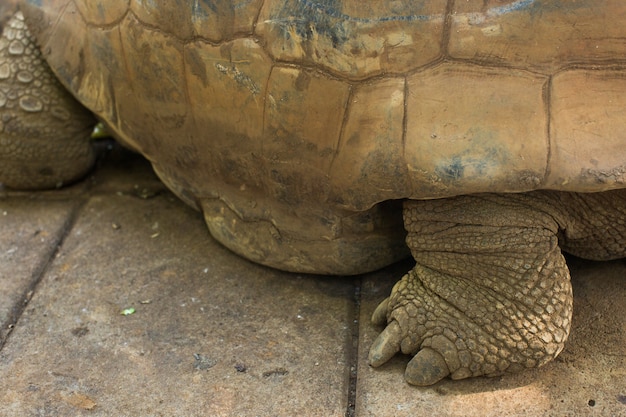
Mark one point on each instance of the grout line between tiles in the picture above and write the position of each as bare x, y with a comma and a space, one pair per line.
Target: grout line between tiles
354, 350
38, 274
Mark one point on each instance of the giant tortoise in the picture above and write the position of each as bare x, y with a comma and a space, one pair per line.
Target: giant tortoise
308, 131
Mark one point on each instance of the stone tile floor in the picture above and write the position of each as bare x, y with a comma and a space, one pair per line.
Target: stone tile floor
215, 335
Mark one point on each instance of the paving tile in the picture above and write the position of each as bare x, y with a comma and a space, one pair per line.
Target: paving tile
30, 230
212, 334
588, 378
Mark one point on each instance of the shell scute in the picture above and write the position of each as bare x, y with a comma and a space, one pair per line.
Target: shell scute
353, 102
352, 38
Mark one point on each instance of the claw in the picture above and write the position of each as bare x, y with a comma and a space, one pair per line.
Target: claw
426, 368
386, 344
379, 316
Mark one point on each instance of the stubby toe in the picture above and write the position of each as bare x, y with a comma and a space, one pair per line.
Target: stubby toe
386, 345
426, 368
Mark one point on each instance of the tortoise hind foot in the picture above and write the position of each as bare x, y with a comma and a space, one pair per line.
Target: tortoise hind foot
490, 292
44, 131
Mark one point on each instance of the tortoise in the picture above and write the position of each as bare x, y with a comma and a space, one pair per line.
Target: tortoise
336, 137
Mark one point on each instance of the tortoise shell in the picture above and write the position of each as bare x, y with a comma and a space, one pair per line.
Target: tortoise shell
306, 120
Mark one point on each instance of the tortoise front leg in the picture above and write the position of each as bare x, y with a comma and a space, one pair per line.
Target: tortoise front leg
490, 292
44, 131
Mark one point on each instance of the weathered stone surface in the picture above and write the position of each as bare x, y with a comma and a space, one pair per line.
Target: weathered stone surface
30, 230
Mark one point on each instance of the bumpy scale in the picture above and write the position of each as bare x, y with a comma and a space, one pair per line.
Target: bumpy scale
44, 131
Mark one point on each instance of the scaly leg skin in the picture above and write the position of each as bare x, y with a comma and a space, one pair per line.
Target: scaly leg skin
44, 131
490, 292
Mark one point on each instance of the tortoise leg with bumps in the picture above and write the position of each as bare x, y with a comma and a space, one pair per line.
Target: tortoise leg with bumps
490, 292
44, 131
